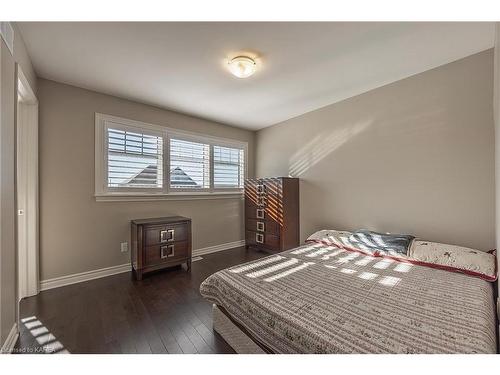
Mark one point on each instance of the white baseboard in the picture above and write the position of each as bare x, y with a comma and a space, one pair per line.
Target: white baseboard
9, 343
83, 276
58, 282
216, 248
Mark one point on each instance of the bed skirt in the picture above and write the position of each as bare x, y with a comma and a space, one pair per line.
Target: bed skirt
233, 335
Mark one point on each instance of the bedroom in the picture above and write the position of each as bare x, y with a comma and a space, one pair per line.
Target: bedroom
248, 187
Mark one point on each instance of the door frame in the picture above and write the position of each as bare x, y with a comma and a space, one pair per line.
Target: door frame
27, 209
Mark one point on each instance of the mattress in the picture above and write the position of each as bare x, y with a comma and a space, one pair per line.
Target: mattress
323, 299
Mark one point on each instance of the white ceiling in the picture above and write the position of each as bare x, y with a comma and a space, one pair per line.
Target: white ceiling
302, 66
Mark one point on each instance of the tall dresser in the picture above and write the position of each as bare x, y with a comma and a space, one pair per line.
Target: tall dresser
272, 213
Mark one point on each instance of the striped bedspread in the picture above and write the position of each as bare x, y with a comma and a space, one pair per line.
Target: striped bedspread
322, 299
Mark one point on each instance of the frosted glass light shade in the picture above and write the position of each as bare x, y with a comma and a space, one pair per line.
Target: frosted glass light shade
242, 66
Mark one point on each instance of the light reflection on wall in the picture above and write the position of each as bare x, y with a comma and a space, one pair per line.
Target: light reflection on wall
321, 146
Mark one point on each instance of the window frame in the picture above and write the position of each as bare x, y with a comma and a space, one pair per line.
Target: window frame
105, 193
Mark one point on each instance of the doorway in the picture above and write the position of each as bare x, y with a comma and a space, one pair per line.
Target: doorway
27, 187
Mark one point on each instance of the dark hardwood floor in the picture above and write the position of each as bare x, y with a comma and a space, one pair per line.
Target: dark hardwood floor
163, 313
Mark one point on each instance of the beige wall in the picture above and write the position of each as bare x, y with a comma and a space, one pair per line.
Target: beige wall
7, 209
496, 107
414, 156
8, 95
77, 233
22, 58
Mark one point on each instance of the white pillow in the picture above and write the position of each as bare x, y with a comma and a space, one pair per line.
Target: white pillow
339, 238
455, 258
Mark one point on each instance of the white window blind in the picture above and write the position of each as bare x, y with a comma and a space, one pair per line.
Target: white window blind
189, 164
135, 159
229, 164
138, 159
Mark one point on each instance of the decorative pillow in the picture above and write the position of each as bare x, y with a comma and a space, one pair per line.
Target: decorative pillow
455, 258
365, 242
387, 243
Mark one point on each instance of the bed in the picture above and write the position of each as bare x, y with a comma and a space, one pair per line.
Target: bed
323, 298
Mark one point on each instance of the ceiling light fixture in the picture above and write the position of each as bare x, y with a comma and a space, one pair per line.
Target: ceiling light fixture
242, 66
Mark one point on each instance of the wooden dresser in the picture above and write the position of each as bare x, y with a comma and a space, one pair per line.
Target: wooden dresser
160, 243
272, 213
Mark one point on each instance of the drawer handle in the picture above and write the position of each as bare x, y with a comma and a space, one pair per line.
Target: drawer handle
167, 235
167, 251
260, 226
260, 213
259, 238
261, 189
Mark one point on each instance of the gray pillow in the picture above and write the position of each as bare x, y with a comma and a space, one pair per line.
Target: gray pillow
396, 243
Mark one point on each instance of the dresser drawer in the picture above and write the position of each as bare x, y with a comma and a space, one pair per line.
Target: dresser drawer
259, 200
251, 210
273, 210
267, 226
272, 186
165, 253
263, 239
257, 187
155, 235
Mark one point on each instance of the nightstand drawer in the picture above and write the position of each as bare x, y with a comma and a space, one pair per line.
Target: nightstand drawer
165, 253
165, 234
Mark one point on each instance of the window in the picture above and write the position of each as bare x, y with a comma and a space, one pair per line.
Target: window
138, 159
189, 164
134, 159
228, 167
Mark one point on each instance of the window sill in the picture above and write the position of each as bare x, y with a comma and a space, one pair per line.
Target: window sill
178, 196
